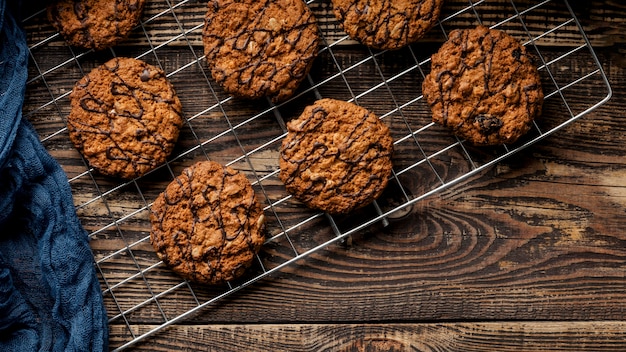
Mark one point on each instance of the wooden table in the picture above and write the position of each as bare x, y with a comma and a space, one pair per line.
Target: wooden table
529, 254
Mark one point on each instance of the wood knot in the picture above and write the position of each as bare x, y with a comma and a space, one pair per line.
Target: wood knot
375, 345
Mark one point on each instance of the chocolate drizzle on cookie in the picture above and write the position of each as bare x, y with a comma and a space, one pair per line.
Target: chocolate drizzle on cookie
95, 24
483, 86
260, 48
387, 24
123, 124
336, 156
207, 225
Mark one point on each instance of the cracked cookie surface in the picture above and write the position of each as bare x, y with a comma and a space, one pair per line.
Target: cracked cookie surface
387, 24
336, 156
207, 225
260, 48
483, 86
95, 24
125, 117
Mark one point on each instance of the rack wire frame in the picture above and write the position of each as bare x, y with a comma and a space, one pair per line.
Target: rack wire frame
130, 227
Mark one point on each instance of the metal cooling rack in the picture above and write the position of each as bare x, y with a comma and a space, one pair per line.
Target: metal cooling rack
247, 136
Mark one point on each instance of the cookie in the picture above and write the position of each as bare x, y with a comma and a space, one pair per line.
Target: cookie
336, 156
483, 86
95, 24
125, 117
387, 24
261, 48
207, 225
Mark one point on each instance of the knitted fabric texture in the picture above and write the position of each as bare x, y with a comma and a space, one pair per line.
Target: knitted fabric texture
50, 298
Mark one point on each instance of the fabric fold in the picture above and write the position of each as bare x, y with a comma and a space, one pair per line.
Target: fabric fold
50, 297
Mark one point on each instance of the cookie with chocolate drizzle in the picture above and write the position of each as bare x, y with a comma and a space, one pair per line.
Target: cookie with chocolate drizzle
336, 156
95, 24
483, 86
387, 24
207, 225
125, 117
259, 48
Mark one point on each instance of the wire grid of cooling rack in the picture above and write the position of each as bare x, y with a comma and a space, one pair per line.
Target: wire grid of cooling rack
247, 135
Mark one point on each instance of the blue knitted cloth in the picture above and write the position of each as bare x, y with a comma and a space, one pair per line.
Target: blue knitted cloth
50, 299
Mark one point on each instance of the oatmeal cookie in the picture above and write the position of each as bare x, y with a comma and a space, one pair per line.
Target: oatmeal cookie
483, 86
387, 24
258, 48
207, 225
336, 156
125, 117
95, 24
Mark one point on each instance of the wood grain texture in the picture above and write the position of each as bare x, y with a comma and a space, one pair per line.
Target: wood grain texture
467, 337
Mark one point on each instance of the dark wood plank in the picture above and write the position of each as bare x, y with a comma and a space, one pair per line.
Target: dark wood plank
467, 337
